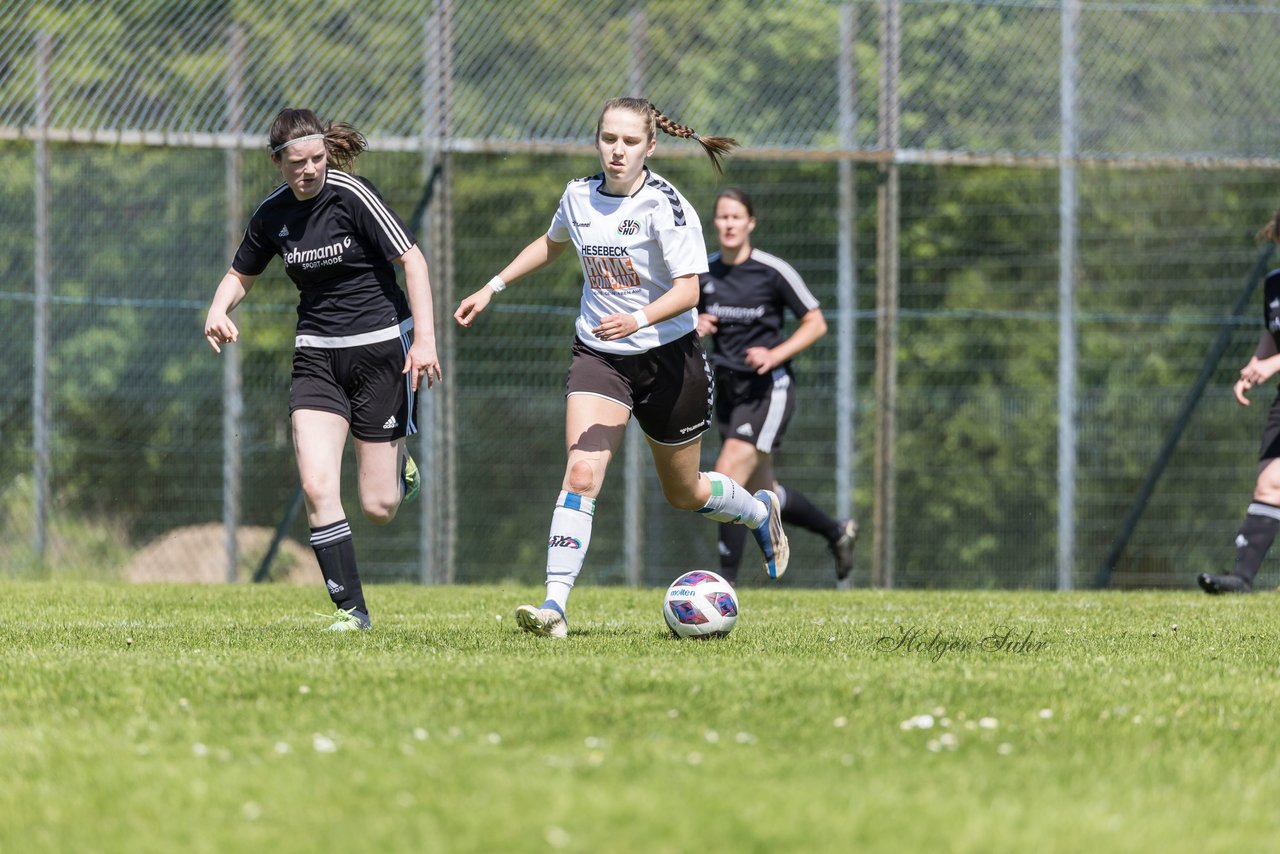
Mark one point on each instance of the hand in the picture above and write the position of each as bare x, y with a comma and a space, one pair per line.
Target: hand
1257, 371
219, 329
616, 326
708, 324
420, 361
1241, 388
760, 358
472, 306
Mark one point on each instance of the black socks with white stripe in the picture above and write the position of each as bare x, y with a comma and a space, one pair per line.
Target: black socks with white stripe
336, 552
1254, 538
798, 510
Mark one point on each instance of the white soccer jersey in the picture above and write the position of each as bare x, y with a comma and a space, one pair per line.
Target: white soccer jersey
631, 249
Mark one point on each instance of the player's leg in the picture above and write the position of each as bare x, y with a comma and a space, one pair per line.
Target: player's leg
674, 410
378, 467
383, 416
597, 408
318, 439
738, 460
799, 511
722, 499
1255, 536
1262, 519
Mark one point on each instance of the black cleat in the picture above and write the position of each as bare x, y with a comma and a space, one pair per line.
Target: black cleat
842, 549
1215, 584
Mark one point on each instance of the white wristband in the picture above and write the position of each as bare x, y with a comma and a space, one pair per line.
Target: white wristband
497, 284
641, 320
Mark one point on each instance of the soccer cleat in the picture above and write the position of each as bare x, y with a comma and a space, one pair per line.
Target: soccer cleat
410, 480
348, 620
842, 549
1215, 584
545, 622
771, 537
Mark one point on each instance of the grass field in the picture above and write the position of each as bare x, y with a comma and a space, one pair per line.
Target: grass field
176, 718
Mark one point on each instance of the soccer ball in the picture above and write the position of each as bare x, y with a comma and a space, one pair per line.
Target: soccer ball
700, 604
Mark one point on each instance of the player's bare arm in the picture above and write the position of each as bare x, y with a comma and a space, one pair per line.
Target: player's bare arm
219, 328
535, 256
421, 362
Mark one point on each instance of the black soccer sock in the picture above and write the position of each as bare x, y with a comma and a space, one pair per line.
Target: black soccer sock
799, 510
732, 539
336, 552
1254, 538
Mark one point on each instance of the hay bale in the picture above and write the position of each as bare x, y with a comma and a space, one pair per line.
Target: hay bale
197, 553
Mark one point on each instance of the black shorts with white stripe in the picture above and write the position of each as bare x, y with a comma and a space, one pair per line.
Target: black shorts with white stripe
363, 384
755, 408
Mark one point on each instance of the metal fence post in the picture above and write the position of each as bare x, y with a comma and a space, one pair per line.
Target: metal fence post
846, 272
1067, 213
887, 299
40, 362
232, 392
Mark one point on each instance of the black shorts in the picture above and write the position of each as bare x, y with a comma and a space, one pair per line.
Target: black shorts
1270, 449
755, 408
668, 388
363, 384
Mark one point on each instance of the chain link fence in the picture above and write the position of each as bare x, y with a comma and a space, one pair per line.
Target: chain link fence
1132, 140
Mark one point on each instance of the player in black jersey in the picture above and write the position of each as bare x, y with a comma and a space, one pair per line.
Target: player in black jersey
636, 351
744, 297
362, 348
1262, 519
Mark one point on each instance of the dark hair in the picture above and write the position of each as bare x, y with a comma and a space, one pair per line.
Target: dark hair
1271, 231
739, 196
342, 142
714, 146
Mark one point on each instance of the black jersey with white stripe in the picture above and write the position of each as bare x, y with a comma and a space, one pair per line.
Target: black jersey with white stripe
337, 248
1271, 305
750, 299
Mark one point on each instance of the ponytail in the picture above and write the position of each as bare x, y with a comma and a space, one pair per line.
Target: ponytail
1271, 231
715, 146
342, 143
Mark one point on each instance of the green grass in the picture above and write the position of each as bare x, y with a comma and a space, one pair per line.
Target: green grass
174, 718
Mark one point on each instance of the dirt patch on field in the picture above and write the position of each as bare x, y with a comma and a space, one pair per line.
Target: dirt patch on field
197, 554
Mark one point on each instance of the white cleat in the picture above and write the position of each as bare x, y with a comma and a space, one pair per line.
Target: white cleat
348, 621
545, 622
771, 537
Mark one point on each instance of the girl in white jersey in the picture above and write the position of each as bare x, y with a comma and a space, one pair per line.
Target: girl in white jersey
361, 349
636, 352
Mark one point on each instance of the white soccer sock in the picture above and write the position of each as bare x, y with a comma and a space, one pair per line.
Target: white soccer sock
730, 502
567, 544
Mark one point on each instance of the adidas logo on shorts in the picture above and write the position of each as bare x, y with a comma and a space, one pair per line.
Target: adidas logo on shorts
746, 430
389, 423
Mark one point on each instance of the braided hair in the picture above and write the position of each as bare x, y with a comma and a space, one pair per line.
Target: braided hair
342, 143
714, 146
1271, 231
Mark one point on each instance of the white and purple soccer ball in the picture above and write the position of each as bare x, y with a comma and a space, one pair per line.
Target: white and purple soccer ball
700, 604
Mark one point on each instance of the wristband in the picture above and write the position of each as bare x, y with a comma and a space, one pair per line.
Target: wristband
641, 320
497, 284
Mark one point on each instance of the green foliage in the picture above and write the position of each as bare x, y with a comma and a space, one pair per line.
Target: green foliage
141, 236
